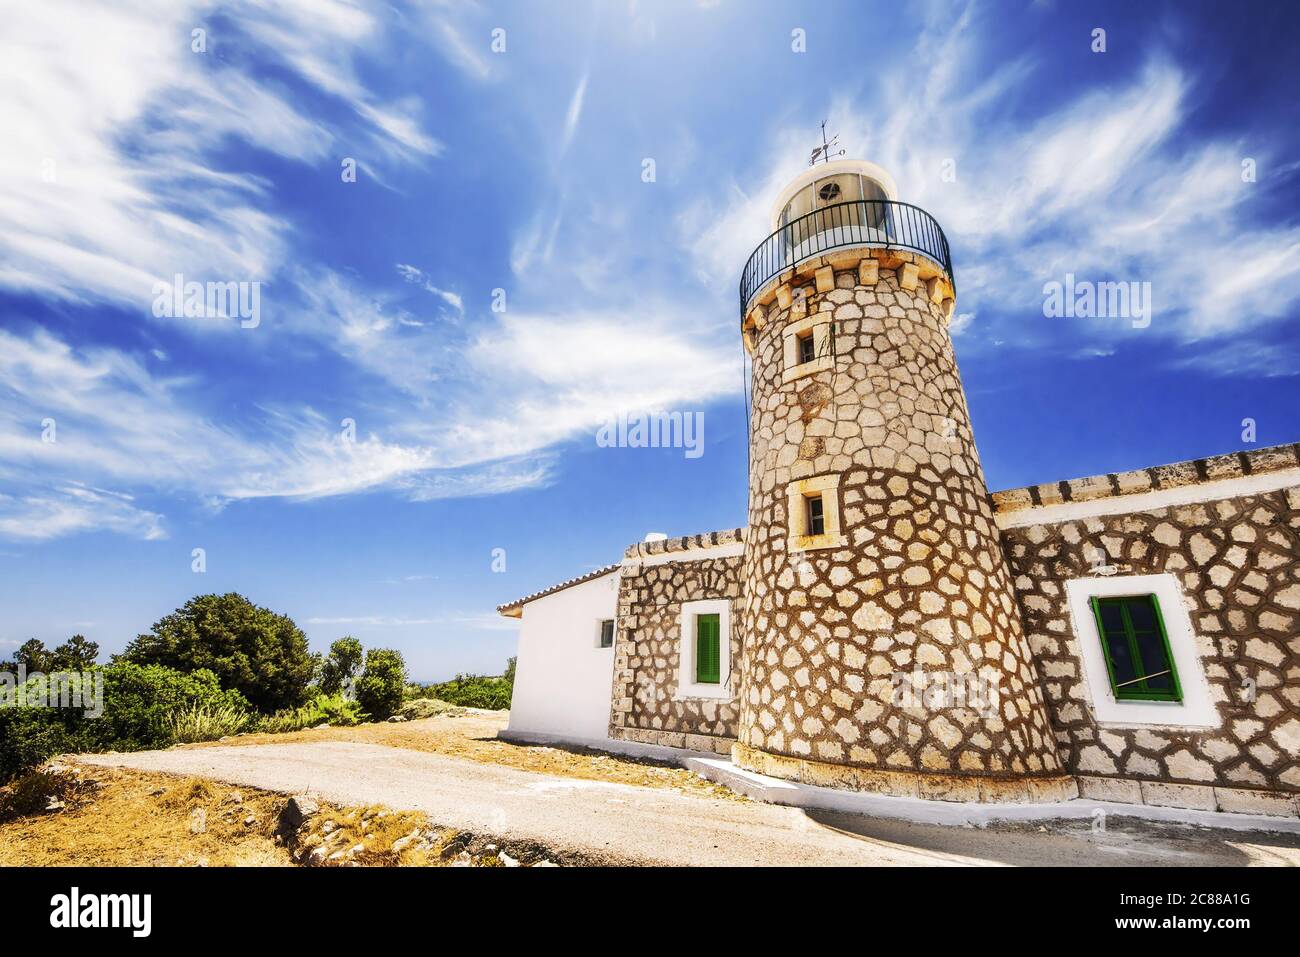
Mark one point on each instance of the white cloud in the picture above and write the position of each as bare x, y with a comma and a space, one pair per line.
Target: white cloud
417, 277
574, 113
73, 508
110, 130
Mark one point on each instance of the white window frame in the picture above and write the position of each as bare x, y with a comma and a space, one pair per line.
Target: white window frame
819, 326
687, 687
797, 493
1197, 709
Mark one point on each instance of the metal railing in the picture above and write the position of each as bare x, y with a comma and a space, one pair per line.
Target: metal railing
862, 222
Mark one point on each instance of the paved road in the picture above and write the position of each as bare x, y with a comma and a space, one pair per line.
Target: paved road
620, 823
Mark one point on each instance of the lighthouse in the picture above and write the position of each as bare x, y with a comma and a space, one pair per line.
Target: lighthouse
883, 648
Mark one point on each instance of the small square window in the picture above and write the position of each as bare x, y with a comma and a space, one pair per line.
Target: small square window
606, 633
816, 524
1139, 662
807, 349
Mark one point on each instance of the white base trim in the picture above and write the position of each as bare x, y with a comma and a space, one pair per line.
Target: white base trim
760, 787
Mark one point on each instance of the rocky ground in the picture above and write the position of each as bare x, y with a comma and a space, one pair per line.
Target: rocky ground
76, 815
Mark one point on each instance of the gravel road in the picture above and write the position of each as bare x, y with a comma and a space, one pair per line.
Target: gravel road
620, 823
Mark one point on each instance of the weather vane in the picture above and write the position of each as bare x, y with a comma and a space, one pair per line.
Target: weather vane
827, 149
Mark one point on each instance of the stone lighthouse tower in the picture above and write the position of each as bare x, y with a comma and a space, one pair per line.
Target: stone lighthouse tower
883, 648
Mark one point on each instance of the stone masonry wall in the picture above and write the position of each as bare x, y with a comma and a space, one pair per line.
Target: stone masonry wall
1238, 562
920, 582
647, 646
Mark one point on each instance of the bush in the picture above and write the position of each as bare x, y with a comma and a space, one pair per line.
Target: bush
325, 709
340, 667
139, 704
206, 722
251, 650
426, 708
383, 683
472, 691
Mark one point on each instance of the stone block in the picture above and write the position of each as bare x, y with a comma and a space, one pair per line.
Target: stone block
1133, 482
1012, 500
869, 272
1087, 489
934, 289
1053, 790
1246, 801
994, 791
946, 787
1272, 459
907, 276
825, 279
1118, 790
1176, 476
784, 295
896, 783
1198, 797
1223, 467
824, 775
1050, 494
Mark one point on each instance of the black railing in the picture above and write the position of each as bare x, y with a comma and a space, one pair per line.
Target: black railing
863, 222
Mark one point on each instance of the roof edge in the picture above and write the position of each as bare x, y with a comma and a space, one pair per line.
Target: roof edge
515, 609
1215, 468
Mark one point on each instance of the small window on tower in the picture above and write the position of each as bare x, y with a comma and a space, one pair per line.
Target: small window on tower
606, 634
816, 524
807, 349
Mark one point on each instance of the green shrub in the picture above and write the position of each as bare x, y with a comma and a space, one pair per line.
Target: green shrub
252, 650
324, 709
383, 682
426, 708
139, 702
472, 691
206, 722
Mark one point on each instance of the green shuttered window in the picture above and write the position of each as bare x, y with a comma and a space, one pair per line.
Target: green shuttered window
1138, 658
708, 649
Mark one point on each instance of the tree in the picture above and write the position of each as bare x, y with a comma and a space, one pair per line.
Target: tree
252, 650
379, 689
509, 676
75, 654
35, 656
339, 671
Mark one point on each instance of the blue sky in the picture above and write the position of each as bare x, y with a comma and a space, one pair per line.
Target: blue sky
130, 158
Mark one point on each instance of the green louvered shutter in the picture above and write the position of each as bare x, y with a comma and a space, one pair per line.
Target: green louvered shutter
708, 650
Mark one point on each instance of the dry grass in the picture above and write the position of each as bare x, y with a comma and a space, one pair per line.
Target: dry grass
121, 817
473, 736
139, 819
375, 830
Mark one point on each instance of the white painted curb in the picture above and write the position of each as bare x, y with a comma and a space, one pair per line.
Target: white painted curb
760, 787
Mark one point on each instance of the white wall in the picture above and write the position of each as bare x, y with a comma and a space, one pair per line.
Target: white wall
563, 679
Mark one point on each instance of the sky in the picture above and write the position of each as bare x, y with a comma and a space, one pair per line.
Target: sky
479, 232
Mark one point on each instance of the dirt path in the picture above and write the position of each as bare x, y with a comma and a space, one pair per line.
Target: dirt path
630, 823
472, 734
